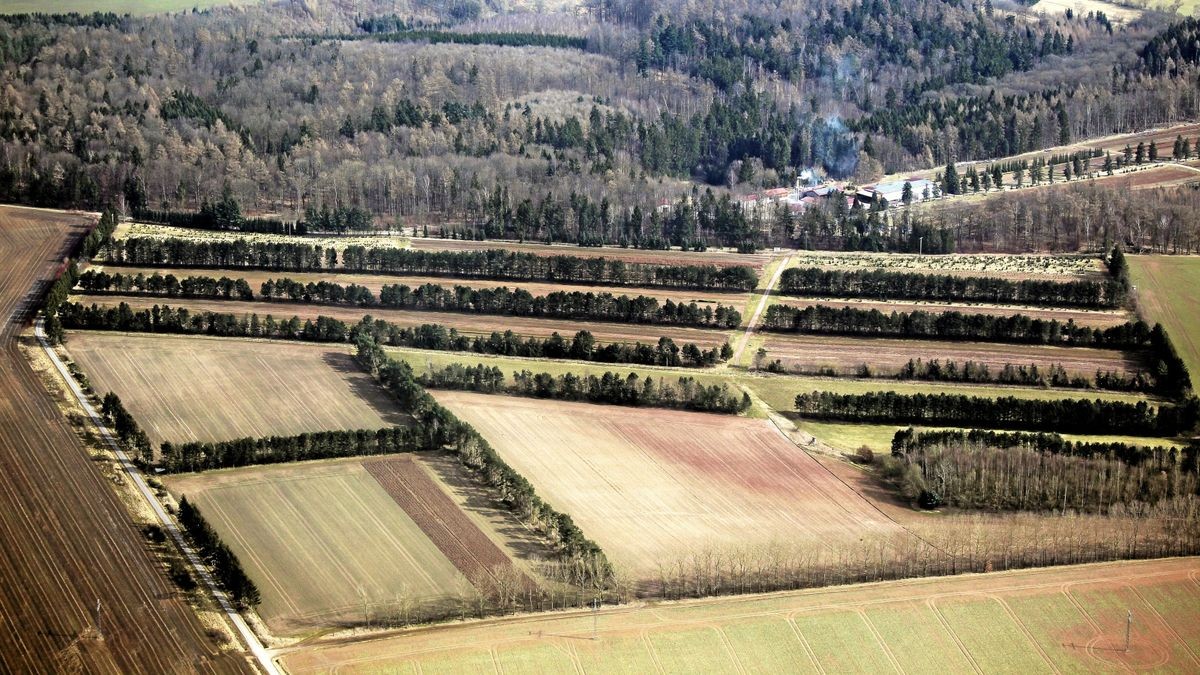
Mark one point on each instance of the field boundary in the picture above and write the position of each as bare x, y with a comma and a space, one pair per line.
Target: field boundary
576, 624
135, 475
449, 534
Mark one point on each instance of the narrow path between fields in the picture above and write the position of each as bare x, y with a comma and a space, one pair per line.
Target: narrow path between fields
198, 567
762, 305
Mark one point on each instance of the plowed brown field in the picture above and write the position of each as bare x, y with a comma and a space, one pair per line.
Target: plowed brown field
469, 324
66, 540
651, 485
464, 544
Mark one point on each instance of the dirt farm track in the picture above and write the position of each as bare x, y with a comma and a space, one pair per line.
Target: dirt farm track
66, 541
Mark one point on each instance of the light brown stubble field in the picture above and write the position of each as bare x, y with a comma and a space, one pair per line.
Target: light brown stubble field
323, 541
183, 388
652, 486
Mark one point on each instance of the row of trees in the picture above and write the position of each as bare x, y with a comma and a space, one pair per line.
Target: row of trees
582, 346
473, 38
209, 219
515, 301
694, 222
226, 214
953, 543
487, 264
246, 253
885, 284
1004, 412
611, 388
502, 300
438, 428
227, 568
1054, 375
68, 276
501, 264
954, 326
129, 434
168, 285
195, 456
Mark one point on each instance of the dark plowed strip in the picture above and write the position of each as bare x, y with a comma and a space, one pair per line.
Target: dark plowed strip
459, 539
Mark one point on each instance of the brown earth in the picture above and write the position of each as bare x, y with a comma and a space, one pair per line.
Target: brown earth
459, 539
469, 324
885, 355
66, 540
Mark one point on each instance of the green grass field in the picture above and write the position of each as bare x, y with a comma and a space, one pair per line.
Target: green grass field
1168, 292
1064, 619
135, 7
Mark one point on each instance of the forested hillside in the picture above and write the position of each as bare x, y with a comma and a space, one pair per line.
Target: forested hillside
571, 127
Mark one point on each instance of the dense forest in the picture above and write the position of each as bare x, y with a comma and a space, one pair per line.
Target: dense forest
978, 476
1036, 471
566, 127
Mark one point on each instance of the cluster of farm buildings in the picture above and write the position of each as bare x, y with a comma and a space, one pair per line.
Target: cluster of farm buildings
801, 197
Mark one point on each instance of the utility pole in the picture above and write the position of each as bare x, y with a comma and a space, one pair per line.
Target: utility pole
1128, 628
921, 247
